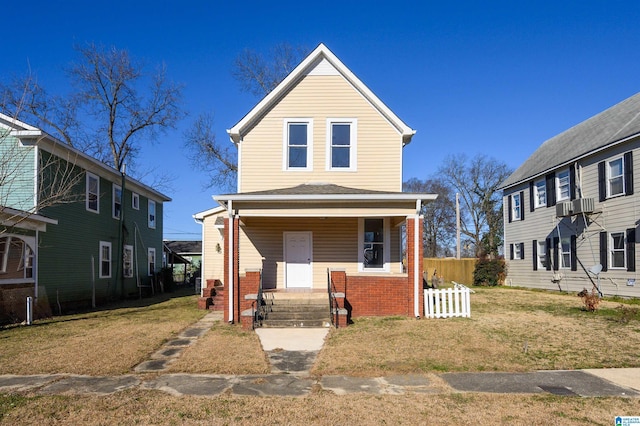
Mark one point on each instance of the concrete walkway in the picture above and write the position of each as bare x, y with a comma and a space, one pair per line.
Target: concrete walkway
292, 352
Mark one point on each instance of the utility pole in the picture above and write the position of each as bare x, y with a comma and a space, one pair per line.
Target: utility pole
457, 225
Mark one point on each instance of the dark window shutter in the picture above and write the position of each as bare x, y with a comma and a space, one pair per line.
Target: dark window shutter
547, 253
602, 181
603, 250
534, 254
572, 182
510, 251
521, 205
521, 250
509, 208
551, 189
574, 253
631, 249
628, 173
531, 197
556, 240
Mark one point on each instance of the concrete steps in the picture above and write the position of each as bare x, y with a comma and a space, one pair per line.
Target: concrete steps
296, 309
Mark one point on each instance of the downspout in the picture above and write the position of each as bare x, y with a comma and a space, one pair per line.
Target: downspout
416, 263
231, 259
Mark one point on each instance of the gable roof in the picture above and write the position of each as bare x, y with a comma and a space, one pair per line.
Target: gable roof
314, 59
24, 131
610, 127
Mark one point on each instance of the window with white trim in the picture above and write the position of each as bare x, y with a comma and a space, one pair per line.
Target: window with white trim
563, 185
373, 244
26, 260
105, 259
151, 255
565, 252
341, 143
92, 203
542, 254
127, 261
151, 214
298, 144
135, 201
516, 206
540, 193
615, 177
617, 252
116, 207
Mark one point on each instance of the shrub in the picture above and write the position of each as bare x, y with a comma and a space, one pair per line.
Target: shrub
591, 299
489, 272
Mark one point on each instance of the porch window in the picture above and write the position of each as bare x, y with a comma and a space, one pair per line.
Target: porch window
26, 261
298, 145
105, 259
5, 243
92, 193
117, 202
127, 261
374, 244
341, 144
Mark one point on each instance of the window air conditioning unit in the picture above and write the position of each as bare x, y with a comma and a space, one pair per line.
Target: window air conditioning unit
563, 209
583, 205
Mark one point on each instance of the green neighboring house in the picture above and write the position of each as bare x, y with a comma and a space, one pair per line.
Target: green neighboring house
74, 232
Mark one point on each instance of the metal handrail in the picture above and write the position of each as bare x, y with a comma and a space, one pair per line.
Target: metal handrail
333, 301
258, 307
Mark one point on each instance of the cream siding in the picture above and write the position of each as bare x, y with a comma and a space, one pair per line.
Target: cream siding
335, 245
379, 144
213, 246
613, 215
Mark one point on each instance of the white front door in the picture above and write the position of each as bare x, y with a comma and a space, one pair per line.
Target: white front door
297, 259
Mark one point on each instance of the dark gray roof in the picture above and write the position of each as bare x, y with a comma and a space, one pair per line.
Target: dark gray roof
314, 189
610, 126
184, 247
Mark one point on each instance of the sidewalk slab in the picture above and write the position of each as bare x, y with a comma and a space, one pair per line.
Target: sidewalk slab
12, 383
571, 382
190, 384
272, 385
91, 385
292, 339
627, 377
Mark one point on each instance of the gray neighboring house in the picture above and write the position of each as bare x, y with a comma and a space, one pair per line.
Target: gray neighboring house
570, 210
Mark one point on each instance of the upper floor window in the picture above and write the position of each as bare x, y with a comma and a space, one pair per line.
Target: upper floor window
341, 144
540, 194
615, 177
298, 144
92, 193
152, 214
117, 202
135, 201
516, 207
105, 259
563, 185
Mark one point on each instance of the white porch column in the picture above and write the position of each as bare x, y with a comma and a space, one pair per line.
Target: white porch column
416, 264
231, 259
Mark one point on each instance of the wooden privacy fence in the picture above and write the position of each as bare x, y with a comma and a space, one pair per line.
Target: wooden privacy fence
460, 270
447, 302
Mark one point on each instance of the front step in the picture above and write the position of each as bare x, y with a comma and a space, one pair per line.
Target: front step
296, 309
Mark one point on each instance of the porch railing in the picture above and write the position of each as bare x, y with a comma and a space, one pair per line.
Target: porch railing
258, 307
333, 301
447, 302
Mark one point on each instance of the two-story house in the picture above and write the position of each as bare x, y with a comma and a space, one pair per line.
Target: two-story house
74, 232
320, 203
571, 213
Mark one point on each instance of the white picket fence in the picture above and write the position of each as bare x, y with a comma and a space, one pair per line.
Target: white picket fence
447, 302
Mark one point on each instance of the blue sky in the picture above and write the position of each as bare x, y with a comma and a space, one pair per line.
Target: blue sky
491, 77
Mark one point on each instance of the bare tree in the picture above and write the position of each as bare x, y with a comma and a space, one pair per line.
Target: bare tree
217, 160
439, 215
477, 180
108, 83
109, 88
257, 75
